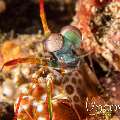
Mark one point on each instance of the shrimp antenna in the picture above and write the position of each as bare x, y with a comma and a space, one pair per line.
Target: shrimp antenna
43, 18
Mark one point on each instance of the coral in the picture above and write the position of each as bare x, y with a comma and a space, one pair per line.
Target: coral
99, 29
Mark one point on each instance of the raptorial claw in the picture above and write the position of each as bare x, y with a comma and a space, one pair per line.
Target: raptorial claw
30, 60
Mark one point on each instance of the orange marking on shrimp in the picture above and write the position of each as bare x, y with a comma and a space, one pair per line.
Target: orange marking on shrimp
17, 107
28, 114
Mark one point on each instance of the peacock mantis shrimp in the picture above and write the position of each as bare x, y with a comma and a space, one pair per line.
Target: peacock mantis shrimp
78, 81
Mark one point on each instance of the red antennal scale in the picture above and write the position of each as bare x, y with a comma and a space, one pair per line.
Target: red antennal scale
43, 18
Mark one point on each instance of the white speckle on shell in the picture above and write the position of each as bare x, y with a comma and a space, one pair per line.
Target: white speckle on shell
40, 108
24, 89
50, 76
24, 97
35, 103
41, 118
23, 107
34, 75
54, 42
43, 97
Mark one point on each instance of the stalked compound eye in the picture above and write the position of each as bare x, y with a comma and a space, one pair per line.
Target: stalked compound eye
72, 33
54, 42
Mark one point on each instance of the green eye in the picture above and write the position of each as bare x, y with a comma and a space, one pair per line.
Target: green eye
72, 34
54, 42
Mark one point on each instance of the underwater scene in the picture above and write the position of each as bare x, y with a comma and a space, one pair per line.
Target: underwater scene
59, 59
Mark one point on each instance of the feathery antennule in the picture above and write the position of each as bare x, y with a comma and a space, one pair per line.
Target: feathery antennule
43, 18
49, 98
48, 102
